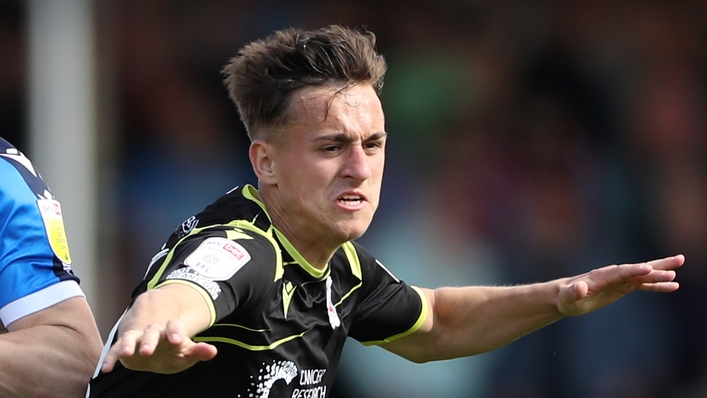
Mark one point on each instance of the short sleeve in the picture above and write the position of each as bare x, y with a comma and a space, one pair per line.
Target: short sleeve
228, 268
388, 307
34, 254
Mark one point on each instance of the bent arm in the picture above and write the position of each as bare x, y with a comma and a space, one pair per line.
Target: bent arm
50, 353
472, 320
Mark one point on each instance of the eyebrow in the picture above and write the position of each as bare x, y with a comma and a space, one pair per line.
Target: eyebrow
346, 139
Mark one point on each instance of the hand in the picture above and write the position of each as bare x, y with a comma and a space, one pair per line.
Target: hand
157, 348
600, 287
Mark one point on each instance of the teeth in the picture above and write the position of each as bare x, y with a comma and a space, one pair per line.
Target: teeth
350, 198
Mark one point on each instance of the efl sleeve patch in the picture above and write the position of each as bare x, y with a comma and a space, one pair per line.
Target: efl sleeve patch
218, 258
50, 210
190, 275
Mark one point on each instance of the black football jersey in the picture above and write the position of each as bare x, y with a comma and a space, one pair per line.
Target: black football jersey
279, 323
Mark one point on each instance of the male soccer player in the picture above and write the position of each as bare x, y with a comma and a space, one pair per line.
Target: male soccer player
49, 342
256, 295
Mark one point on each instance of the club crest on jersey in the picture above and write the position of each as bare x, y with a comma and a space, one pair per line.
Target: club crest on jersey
218, 258
186, 227
50, 210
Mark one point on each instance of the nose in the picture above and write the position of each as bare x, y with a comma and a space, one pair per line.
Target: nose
357, 164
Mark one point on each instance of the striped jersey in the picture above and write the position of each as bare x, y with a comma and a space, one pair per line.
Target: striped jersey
279, 323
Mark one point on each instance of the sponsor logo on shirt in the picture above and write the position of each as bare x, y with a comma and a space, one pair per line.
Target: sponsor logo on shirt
187, 226
310, 377
218, 258
287, 371
50, 210
206, 283
269, 374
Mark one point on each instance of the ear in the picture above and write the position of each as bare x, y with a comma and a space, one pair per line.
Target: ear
262, 158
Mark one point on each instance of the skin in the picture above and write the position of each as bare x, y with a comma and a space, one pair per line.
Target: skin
321, 183
50, 353
471, 320
318, 163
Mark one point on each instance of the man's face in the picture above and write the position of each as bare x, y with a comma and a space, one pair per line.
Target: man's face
329, 164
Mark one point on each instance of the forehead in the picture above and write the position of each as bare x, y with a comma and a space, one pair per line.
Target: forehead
355, 107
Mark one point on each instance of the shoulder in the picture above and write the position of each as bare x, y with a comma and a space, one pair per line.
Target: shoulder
230, 246
18, 177
215, 252
362, 264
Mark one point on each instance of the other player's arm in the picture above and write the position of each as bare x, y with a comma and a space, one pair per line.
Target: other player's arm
155, 333
50, 353
471, 320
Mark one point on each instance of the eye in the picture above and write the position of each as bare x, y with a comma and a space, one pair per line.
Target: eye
331, 148
373, 146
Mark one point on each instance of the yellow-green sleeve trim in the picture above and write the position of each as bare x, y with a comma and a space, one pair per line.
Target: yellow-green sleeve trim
206, 296
414, 328
215, 339
155, 278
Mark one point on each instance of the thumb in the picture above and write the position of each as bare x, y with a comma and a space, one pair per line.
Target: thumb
574, 292
204, 351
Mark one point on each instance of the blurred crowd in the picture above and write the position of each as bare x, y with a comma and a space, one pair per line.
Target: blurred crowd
527, 141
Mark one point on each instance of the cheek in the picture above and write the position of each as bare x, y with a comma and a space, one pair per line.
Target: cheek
304, 186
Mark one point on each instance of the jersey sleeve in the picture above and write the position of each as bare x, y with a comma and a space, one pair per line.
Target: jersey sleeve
34, 256
228, 266
388, 308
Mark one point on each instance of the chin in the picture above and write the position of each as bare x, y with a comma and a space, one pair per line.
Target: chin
352, 232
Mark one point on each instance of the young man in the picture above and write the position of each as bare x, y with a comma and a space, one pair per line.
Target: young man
256, 295
49, 341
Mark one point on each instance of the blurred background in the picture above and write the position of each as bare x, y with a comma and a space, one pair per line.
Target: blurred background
528, 140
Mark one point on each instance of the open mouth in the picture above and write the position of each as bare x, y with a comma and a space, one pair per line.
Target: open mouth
350, 200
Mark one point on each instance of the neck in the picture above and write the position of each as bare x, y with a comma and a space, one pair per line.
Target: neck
316, 251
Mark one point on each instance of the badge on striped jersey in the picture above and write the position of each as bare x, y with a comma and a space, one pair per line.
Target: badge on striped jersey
50, 210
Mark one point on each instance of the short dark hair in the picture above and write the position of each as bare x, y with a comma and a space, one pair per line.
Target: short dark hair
263, 75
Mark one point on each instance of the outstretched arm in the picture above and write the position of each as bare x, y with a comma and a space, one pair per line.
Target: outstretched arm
155, 334
50, 353
471, 320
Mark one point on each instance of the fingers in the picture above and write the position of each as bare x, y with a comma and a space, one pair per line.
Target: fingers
660, 287
630, 271
660, 270
143, 342
109, 361
124, 347
151, 336
656, 276
204, 351
668, 263
174, 332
